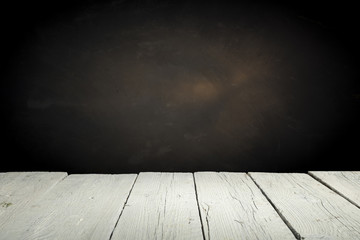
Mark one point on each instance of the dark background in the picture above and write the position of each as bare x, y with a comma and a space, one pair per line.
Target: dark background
129, 86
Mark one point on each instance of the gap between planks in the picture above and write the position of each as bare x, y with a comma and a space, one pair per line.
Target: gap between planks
333, 188
197, 201
122, 210
296, 234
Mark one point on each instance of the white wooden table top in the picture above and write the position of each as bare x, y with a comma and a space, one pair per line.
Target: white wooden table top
203, 205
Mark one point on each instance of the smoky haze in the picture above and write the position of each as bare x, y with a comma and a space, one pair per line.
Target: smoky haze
133, 86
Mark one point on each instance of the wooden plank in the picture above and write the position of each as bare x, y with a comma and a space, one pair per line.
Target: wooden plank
232, 207
311, 209
79, 207
18, 190
347, 184
161, 206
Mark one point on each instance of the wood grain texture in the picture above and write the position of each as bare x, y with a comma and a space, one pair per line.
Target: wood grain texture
232, 207
310, 208
347, 184
79, 207
19, 190
161, 206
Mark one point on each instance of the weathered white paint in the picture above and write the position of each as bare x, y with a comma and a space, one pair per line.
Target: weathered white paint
18, 190
232, 207
79, 207
346, 184
313, 210
161, 206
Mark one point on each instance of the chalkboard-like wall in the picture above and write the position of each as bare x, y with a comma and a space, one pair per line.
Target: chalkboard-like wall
129, 86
